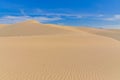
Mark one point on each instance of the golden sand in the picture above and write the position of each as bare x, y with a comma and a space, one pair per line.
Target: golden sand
35, 51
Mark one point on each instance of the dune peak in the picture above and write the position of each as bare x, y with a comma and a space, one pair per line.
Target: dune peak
31, 21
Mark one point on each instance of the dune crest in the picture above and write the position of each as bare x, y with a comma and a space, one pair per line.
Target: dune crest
110, 33
30, 28
34, 28
30, 21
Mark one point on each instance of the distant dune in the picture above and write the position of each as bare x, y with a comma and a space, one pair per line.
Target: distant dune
33, 51
111, 33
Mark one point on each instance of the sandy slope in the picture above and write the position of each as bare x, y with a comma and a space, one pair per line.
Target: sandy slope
115, 34
2, 25
32, 27
114, 30
80, 56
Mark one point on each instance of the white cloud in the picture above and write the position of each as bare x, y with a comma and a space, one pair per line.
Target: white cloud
46, 16
53, 13
62, 14
100, 15
65, 13
114, 18
15, 19
22, 12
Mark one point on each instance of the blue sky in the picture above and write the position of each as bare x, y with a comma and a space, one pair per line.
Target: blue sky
93, 13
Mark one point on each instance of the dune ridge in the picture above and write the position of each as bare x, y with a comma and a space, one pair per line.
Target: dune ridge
110, 33
32, 27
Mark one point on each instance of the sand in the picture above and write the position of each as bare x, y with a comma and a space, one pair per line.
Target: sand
110, 33
32, 28
63, 53
2, 25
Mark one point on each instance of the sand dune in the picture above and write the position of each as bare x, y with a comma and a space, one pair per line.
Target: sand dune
115, 30
52, 55
103, 32
2, 25
32, 27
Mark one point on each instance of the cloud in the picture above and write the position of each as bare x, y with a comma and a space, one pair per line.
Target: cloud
41, 12
15, 19
46, 15
53, 13
114, 18
22, 12
62, 12
100, 15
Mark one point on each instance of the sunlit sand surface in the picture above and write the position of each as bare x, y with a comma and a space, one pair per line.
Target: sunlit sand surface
33, 51
110, 33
